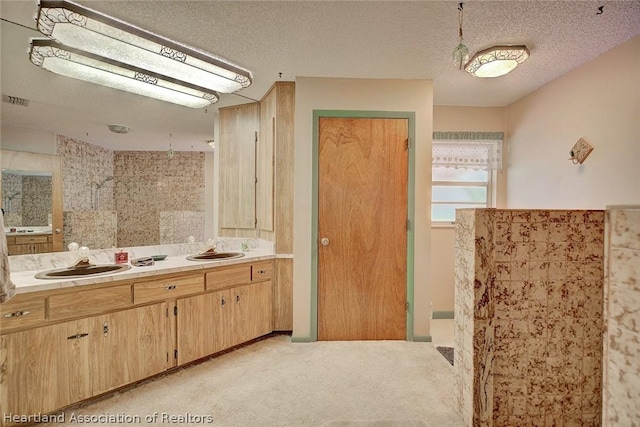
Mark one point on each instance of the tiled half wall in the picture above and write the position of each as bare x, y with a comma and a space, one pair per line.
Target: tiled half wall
528, 321
621, 394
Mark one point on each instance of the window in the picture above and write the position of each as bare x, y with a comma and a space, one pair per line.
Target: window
463, 172
458, 188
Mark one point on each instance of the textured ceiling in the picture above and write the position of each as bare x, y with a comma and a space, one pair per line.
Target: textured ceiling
366, 39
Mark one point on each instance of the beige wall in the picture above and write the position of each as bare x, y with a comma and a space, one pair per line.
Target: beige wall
371, 95
599, 102
30, 140
448, 118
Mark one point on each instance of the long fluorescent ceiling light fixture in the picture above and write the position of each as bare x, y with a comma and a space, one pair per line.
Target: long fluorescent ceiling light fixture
70, 62
81, 28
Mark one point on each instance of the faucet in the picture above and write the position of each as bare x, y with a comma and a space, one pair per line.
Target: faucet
83, 258
211, 246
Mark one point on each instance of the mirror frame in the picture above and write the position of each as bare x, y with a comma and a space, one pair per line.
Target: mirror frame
22, 160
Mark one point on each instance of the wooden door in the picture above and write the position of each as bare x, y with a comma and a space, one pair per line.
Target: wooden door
362, 228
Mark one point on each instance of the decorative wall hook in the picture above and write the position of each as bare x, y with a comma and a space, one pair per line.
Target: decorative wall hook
580, 151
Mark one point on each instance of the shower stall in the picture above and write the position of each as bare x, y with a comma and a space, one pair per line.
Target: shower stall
96, 194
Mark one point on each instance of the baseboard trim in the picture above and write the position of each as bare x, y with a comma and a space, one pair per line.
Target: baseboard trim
422, 338
302, 339
442, 315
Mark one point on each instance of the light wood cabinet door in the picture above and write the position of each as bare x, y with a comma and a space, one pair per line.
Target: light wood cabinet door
238, 130
265, 160
130, 345
198, 327
30, 381
258, 310
251, 314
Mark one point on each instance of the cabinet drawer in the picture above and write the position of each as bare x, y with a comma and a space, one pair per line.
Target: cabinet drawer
228, 276
11, 240
22, 311
21, 240
167, 288
261, 271
89, 302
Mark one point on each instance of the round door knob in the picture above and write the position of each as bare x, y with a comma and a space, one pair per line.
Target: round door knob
324, 241
57, 231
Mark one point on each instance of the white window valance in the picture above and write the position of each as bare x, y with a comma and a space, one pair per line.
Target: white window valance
468, 150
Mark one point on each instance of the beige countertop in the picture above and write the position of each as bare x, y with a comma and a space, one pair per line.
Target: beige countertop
26, 282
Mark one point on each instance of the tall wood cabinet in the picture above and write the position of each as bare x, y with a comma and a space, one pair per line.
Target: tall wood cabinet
274, 192
264, 166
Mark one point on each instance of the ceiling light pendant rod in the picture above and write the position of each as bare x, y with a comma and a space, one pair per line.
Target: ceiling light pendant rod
461, 52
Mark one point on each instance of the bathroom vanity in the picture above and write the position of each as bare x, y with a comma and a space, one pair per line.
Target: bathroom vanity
29, 243
65, 341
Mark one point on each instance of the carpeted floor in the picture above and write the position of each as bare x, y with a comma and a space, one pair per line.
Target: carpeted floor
447, 352
276, 383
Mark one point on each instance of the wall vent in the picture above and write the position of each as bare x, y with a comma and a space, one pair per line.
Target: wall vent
15, 100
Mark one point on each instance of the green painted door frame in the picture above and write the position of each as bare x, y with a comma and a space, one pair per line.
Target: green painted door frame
411, 117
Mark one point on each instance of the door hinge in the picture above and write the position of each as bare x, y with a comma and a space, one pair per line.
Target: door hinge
256, 132
175, 310
408, 225
167, 356
406, 305
407, 143
175, 354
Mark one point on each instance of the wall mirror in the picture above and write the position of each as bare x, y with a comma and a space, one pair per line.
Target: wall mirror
31, 195
26, 200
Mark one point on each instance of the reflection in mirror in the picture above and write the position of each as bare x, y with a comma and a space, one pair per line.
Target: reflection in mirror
31, 197
26, 200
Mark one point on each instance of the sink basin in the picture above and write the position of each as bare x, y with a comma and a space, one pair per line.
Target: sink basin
92, 270
215, 256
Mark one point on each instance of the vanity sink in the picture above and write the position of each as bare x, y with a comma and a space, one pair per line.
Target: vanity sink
215, 256
92, 270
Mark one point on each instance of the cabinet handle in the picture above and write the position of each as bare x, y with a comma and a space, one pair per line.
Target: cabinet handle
222, 302
105, 328
170, 287
17, 314
77, 336
262, 272
237, 298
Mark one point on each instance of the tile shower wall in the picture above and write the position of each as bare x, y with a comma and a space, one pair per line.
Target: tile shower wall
83, 166
148, 184
178, 226
152, 199
81, 226
536, 281
12, 199
621, 388
36, 200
